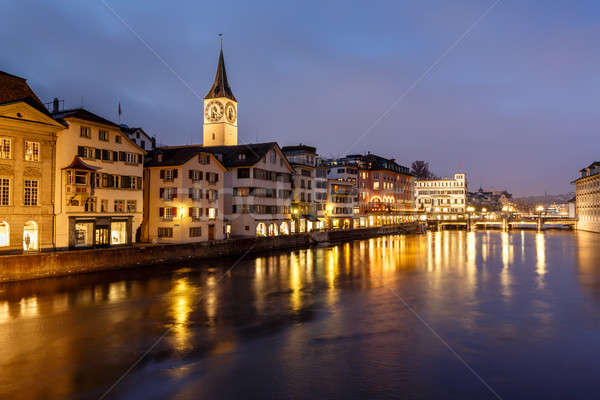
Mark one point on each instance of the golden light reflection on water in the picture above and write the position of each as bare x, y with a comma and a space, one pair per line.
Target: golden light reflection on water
540, 246
180, 310
4, 312
507, 260
29, 307
295, 283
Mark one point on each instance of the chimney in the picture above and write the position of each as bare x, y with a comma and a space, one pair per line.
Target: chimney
55, 105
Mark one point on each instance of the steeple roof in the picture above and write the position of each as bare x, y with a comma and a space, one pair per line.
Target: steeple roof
220, 87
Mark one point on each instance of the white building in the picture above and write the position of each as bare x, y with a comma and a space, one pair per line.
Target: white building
139, 137
587, 198
99, 174
444, 197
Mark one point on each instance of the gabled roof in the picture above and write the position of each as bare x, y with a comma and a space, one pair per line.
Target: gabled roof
78, 164
84, 114
37, 106
15, 88
220, 87
243, 155
131, 130
176, 155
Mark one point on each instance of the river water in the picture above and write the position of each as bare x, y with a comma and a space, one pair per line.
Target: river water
440, 315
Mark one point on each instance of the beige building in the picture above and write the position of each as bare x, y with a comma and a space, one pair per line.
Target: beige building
27, 143
587, 198
98, 189
184, 198
445, 198
258, 189
342, 207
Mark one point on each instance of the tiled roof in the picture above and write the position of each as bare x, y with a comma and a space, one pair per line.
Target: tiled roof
229, 156
85, 115
15, 88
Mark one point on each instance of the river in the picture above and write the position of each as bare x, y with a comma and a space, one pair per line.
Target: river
440, 315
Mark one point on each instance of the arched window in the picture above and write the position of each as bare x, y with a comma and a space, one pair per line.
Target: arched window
283, 228
273, 231
30, 236
261, 229
4, 234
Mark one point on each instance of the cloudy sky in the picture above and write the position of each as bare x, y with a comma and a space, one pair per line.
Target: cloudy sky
514, 103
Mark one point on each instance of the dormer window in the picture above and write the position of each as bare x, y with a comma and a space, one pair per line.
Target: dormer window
241, 156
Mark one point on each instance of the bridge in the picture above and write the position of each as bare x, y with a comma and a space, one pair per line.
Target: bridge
538, 223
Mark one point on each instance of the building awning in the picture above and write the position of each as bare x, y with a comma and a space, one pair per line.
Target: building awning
78, 164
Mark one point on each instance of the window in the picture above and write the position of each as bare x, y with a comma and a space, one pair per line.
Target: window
241, 156
131, 158
4, 191
85, 132
143, 144
167, 213
195, 213
165, 232
212, 177
90, 205
195, 194
4, 234
204, 159
103, 135
212, 195
5, 148
31, 192
168, 174
242, 192
32, 151
376, 185
195, 175
243, 173
80, 178
119, 206
117, 138
103, 205
196, 232
212, 213
168, 194
131, 206
118, 232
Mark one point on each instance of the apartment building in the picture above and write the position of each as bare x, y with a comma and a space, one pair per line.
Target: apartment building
304, 189
98, 185
587, 198
444, 198
342, 205
184, 196
258, 189
27, 160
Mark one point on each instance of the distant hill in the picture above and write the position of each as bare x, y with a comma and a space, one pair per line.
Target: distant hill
546, 199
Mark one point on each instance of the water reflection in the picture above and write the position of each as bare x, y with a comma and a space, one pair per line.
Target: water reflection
304, 315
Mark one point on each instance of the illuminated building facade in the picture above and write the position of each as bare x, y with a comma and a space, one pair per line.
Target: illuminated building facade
306, 196
445, 198
99, 175
27, 158
587, 198
184, 196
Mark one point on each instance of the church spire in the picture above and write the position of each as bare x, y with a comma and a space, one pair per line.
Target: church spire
220, 87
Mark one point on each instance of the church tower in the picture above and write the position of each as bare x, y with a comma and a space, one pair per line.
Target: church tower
220, 111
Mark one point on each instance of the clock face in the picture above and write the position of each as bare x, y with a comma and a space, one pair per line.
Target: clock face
214, 111
230, 112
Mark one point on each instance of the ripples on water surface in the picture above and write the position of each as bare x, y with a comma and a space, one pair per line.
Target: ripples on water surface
521, 308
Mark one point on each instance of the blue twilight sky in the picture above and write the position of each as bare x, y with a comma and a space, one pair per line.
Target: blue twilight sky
515, 104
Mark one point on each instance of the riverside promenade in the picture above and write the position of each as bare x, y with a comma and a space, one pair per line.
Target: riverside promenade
61, 263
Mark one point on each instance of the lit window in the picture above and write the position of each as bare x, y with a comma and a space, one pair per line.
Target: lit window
31, 192
119, 206
5, 148
4, 234
118, 232
30, 236
212, 213
4, 191
32, 151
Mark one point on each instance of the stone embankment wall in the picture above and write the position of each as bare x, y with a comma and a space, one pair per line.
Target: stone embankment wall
61, 263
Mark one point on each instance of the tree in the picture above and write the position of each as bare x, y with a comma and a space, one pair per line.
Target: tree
420, 169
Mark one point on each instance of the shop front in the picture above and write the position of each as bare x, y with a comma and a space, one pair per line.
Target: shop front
88, 232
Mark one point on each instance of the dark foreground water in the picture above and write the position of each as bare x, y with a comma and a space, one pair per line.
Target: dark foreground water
367, 319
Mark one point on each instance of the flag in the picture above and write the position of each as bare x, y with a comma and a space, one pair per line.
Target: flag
120, 109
